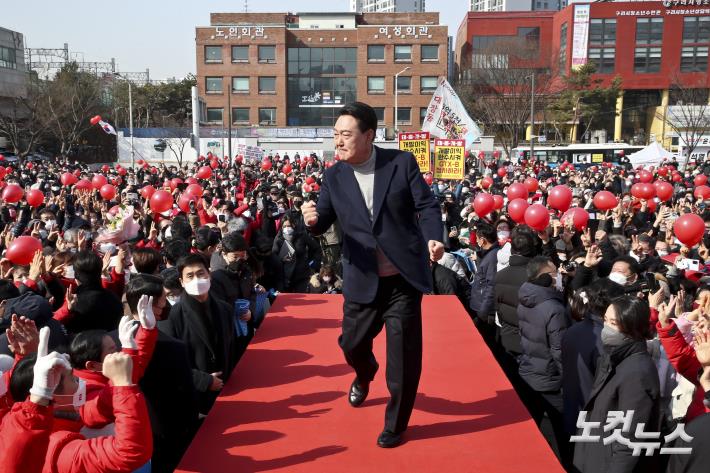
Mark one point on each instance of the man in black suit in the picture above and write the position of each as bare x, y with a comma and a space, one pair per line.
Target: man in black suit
391, 227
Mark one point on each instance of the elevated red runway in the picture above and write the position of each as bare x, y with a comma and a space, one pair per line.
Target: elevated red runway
285, 407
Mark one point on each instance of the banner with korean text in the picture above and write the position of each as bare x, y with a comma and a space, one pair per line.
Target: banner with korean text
446, 116
418, 144
580, 35
449, 159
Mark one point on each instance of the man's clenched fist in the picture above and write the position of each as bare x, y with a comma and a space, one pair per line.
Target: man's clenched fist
310, 215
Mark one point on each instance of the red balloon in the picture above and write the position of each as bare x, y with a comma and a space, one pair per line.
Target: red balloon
329, 164
517, 191
664, 190
537, 217
496, 154
483, 204
98, 181
214, 164
605, 200
153, 169
161, 201
498, 199
289, 180
560, 198
22, 250
107, 191
30, 165
84, 185
481, 155
191, 180
287, 169
184, 201
310, 180
105, 168
677, 178
643, 191
306, 188
516, 210
266, 164
140, 162
2, 158
174, 183
702, 192
663, 171
35, 197
502, 172
147, 191
205, 172
579, 217
700, 180
689, 229
486, 182
95, 119
68, 179
12, 193
239, 159
116, 180
194, 190
429, 179
315, 187
114, 210
531, 184
121, 171
645, 176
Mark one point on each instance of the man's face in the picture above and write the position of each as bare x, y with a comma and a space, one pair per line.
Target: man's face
624, 268
352, 145
661, 247
234, 256
195, 271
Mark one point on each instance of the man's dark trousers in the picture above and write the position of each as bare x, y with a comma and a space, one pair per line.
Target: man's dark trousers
397, 306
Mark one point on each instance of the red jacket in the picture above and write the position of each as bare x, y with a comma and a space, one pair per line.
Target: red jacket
130, 448
682, 357
24, 436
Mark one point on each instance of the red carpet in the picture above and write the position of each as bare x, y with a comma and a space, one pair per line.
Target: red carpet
285, 406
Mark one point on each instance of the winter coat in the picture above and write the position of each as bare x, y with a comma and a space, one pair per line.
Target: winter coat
96, 308
317, 286
626, 380
24, 431
483, 286
543, 319
507, 285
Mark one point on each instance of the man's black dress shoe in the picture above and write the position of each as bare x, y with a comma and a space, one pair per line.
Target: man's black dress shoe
389, 439
358, 393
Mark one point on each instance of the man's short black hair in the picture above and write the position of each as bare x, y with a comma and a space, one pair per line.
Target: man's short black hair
8, 290
192, 259
487, 231
87, 346
522, 243
363, 113
536, 265
87, 267
140, 285
174, 249
233, 241
634, 266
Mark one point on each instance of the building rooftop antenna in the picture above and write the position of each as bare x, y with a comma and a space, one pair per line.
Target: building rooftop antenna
246, 6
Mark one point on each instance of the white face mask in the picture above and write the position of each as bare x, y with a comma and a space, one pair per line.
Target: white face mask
662, 253
78, 398
326, 279
288, 232
197, 287
503, 235
465, 190
173, 300
69, 272
442, 187
618, 278
558, 282
49, 225
246, 214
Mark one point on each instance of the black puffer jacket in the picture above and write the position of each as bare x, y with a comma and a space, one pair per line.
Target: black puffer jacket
508, 283
543, 319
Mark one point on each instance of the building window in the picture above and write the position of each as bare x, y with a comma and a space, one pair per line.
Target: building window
404, 84
602, 44
404, 116
267, 85
696, 29
240, 116
428, 84
376, 85
562, 60
8, 58
214, 115
240, 53
213, 85
403, 53
422, 115
380, 112
213, 54
375, 53
430, 52
649, 31
647, 60
240, 85
267, 116
267, 54
694, 59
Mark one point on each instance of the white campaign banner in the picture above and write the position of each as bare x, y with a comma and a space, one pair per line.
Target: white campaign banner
447, 118
580, 35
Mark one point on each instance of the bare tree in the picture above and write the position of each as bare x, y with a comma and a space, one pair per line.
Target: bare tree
688, 116
177, 147
497, 88
24, 122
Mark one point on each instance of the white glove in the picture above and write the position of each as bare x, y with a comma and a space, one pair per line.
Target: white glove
127, 332
145, 312
48, 368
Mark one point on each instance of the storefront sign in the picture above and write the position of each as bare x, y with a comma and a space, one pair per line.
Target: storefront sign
410, 30
238, 31
449, 159
418, 145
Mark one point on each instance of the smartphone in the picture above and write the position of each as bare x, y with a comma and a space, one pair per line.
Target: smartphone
689, 264
222, 218
592, 216
131, 196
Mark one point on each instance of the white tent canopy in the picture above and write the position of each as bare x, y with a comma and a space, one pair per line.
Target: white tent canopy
651, 155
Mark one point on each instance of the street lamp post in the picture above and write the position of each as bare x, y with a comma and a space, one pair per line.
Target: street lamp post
130, 117
396, 94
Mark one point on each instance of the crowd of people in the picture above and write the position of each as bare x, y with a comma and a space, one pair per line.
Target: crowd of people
128, 296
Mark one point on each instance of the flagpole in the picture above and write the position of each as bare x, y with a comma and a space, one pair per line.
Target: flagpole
130, 113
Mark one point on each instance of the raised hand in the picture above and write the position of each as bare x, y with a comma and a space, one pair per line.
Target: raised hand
309, 212
118, 368
436, 250
702, 347
593, 257
127, 332
665, 310
48, 368
145, 312
22, 336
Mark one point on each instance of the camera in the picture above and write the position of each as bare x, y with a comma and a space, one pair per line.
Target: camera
569, 266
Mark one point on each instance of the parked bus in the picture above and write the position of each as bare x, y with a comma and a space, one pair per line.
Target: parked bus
581, 155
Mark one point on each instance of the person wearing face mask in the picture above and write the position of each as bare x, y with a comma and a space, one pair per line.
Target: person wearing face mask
543, 319
325, 282
483, 286
205, 323
295, 251
236, 279
626, 379
174, 417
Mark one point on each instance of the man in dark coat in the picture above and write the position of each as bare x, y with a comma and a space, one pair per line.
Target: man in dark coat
543, 319
173, 413
36, 308
205, 324
483, 286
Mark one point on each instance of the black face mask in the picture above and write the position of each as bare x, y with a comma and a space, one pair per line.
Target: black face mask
236, 266
544, 280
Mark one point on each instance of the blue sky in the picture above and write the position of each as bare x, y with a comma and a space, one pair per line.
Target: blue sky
155, 34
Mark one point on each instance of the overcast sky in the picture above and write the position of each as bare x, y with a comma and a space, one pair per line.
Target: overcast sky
154, 34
